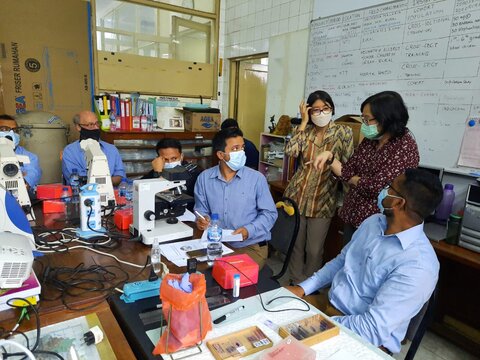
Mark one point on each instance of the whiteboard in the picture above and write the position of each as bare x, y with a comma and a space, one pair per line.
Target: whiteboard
427, 50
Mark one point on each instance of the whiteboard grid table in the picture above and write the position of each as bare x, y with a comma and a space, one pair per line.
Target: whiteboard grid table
427, 50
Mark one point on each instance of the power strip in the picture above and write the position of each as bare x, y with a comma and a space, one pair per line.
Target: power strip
140, 290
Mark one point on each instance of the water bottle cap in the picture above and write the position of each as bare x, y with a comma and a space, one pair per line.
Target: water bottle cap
448, 186
214, 217
65, 189
236, 276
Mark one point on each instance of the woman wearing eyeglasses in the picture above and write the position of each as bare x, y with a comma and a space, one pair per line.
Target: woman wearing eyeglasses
388, 149
314, 191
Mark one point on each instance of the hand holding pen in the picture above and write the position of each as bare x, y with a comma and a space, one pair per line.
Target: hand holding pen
202, 221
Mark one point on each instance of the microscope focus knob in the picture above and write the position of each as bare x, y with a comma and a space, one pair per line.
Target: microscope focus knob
149, 215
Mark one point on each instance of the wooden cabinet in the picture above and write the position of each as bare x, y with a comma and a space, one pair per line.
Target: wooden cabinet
138, 148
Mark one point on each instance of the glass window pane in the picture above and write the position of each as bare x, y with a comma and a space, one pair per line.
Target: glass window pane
202, 5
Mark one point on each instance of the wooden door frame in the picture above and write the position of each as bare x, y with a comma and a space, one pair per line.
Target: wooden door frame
233, 81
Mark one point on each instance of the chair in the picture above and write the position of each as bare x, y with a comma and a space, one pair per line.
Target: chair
418, 326
284, 231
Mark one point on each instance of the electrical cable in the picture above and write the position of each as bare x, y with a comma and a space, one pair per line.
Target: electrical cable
271, 300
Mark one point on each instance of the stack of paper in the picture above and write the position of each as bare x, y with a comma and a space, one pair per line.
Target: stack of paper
29, 290
177, 252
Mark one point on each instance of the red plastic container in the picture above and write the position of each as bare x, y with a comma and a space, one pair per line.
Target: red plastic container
123, 218
223, 270
51, 191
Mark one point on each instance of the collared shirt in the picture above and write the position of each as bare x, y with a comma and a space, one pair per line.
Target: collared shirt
32, 172
376, 168
315, 192
74, 158
379, 281
244, 201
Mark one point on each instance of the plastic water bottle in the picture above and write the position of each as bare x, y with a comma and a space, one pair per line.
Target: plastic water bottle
444, 210
122, 189
66, 199
129, 193
75, 182
156, 257
214, 235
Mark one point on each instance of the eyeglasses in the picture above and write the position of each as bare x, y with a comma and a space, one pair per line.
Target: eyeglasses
398, 192
318, 111
93, 125
366, 120
8, 128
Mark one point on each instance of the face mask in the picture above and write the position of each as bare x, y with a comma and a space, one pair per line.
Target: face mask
172, 165
237, 160
369, 131
382, 196
11, 135
89, 134
321, 119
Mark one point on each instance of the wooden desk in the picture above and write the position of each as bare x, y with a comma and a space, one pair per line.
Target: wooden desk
457, 315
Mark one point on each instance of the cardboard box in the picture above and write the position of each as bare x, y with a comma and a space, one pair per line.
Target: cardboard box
169, 118
45, 63
199, 121
355, 122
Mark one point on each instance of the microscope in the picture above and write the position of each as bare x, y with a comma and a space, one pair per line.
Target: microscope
11, 177
156, 205
98, 171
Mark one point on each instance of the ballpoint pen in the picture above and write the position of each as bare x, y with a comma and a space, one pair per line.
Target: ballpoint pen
224, 317
200, 215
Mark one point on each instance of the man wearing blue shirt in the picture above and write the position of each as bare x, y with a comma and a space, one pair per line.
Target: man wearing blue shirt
389, 270
73, 156
238, 194
32, 171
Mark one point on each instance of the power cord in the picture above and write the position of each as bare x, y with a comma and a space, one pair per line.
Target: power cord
271, 300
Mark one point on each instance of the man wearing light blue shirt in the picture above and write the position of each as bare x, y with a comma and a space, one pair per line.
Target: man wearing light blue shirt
389, 270
238, 194
73, 156
32, 171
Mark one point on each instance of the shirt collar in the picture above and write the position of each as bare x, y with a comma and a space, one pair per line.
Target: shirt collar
406, 237
217, 174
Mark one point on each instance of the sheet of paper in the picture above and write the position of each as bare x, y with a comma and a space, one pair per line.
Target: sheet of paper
177, 252
187, 216
470, 150
226, 236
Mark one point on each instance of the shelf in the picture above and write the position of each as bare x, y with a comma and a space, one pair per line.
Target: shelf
125, 147
137, 160
271, 164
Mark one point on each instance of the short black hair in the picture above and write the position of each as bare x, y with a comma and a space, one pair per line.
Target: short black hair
6, 117
228, 123
321, 95
422, 191
389, 110
219, 141
166, 143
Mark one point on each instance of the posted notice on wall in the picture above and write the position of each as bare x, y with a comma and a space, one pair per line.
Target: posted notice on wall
470, 150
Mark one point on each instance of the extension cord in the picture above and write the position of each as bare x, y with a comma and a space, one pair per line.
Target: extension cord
140, 290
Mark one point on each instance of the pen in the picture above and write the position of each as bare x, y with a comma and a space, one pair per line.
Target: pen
200, 215
224, 317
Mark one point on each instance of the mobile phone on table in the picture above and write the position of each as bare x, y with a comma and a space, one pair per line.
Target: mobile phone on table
197, 253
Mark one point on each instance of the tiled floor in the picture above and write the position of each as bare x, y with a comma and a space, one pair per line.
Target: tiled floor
432, 347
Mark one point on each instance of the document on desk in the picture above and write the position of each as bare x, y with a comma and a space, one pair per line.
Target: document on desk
177, 252
227, 236
187, 216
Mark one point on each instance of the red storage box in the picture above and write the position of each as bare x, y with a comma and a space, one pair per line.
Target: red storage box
123, 218
51, 191
223, 272
53, 206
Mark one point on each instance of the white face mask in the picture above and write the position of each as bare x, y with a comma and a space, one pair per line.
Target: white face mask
321, 119
172, 164
237, 160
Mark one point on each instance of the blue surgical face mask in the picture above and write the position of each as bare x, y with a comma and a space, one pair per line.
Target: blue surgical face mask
12, 135
382, 196
237, 160
369, 131
172, 164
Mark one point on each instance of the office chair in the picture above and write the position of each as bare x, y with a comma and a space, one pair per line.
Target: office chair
284, 231
418, 326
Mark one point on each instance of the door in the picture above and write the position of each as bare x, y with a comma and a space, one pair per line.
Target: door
250, 92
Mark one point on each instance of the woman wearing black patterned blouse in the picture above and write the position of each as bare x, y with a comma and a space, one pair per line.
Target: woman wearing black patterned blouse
388, 149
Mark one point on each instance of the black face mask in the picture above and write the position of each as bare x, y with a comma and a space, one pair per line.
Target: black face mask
89, 134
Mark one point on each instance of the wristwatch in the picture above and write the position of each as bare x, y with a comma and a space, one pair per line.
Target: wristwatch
330, 162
